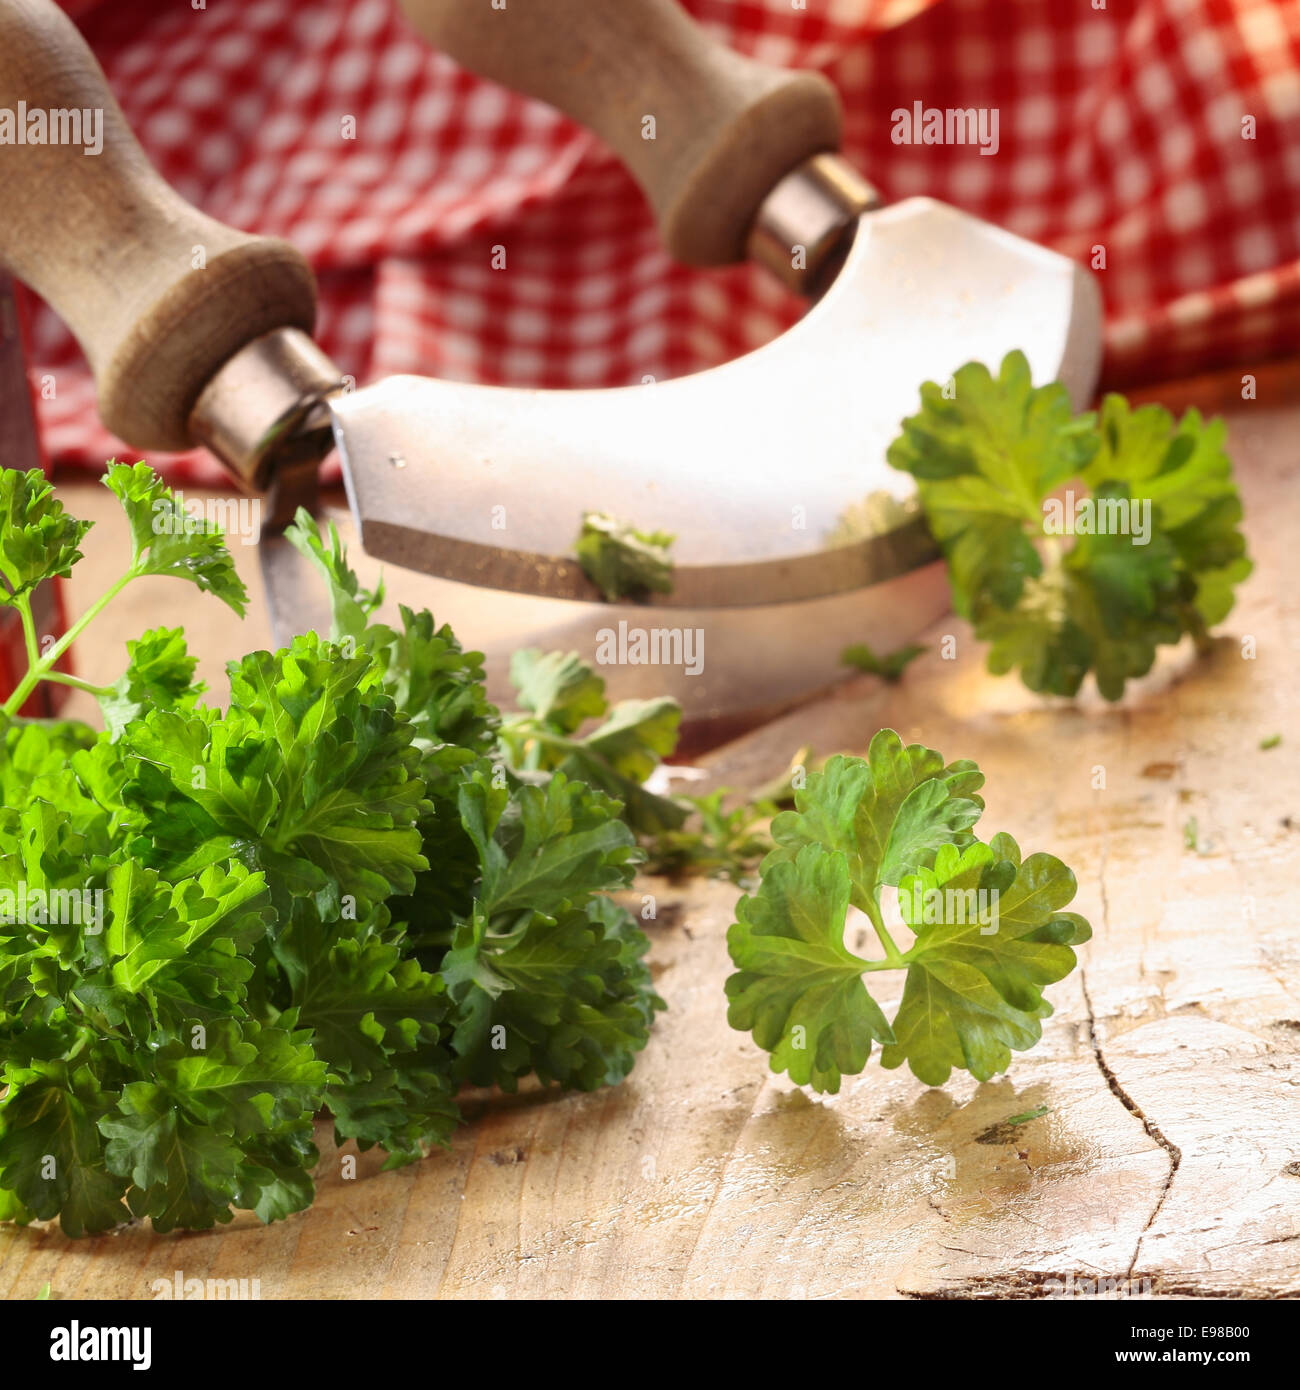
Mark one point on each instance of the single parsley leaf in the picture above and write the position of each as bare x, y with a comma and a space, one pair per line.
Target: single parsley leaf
159, 675
889, 668
621, 561
620, 754
559, 688
974, 986
799, 990
885, 815
167, 540
352, 605
38, 539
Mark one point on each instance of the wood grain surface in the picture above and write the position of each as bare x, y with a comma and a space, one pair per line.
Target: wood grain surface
1169, 1156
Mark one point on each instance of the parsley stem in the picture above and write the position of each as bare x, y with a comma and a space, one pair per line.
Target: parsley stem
534, 735
893, 956
24, 605
41, 668
61, 678
529, 729
95, 1022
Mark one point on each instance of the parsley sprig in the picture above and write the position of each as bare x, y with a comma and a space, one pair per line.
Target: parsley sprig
1159, 557
902, 819
39, 541
566, 724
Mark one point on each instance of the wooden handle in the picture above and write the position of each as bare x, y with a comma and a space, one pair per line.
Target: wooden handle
707, 133
158, 294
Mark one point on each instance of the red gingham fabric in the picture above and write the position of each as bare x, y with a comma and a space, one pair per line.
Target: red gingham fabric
1119, 127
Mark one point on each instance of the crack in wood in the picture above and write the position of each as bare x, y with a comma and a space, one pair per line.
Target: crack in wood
1175, 1154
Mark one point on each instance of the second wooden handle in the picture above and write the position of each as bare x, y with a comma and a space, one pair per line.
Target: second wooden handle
159, 295
706, 132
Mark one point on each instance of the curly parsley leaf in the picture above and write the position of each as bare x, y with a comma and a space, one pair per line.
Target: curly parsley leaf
621, 561
310, 776
159, 675
38, 539
423, 668
545, 976
975, 977
168, 540
51, 1149
1152, 508
352, 605
901, 817
799, 989
377, 1019
438, 686
142, 999
217, 1127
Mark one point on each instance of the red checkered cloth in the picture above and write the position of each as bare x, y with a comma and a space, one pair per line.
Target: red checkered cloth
1165, 131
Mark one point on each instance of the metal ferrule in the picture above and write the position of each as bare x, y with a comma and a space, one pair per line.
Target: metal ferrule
805, 226
264, 413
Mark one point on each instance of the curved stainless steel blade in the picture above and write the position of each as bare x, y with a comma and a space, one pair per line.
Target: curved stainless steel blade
760, 467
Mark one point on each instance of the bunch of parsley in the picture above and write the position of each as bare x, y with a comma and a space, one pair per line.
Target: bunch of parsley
330, 894
988, 457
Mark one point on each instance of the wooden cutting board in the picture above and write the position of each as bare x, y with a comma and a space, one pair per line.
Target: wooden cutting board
1169, 1155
